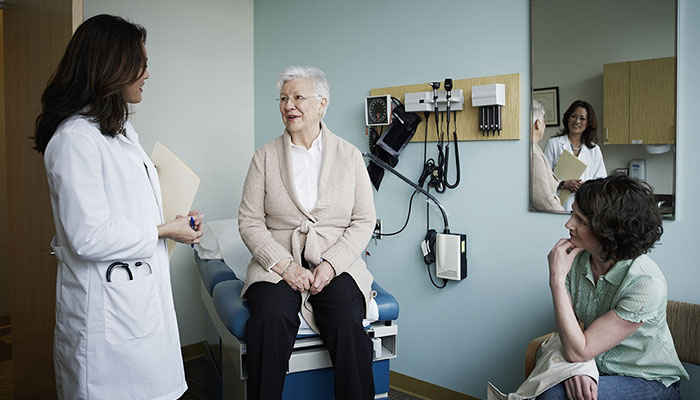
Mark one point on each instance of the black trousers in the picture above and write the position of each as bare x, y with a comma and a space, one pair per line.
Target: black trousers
273, 325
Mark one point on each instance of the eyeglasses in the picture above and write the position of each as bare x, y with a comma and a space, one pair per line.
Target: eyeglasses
296, 100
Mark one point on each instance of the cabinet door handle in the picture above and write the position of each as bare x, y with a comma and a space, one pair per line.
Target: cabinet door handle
606, 134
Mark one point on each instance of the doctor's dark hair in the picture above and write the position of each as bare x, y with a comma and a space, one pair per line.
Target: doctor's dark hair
623, 214
590, 135
104, 55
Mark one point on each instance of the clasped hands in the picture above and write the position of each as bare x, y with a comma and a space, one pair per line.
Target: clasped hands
180, 229
300, 278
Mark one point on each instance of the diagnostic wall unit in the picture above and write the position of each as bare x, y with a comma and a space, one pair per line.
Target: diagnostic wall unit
468, 119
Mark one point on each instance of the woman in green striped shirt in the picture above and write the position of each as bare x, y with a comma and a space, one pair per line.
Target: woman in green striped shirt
601, 276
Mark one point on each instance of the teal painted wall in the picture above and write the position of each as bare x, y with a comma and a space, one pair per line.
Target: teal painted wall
476, 330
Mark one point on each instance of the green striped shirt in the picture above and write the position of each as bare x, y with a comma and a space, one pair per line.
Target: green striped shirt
636, 291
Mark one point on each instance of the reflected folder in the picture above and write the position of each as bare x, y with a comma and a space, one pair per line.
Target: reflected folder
568, 167
178, 185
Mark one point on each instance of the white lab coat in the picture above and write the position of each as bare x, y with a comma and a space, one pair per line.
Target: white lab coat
593, 158
115, 340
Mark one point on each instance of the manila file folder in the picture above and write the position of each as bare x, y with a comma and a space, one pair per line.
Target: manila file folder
568, 167
178, 185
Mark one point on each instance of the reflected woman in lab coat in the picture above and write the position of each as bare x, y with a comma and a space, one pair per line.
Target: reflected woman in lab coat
578, 136
116, 334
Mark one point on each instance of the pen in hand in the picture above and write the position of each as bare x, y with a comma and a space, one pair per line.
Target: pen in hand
192, 226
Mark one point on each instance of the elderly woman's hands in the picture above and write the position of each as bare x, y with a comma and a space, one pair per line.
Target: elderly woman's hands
296, 276
300, 278
560, 258
323, 274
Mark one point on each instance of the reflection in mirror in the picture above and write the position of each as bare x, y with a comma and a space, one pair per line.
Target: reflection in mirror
618, 58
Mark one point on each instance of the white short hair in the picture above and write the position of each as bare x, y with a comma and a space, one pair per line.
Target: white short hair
318, 78
537, 111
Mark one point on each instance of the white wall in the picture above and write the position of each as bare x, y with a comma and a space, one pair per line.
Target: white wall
572, 41
198, 102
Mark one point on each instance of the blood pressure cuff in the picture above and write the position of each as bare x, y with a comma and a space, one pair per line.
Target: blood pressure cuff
376, 173
391, 143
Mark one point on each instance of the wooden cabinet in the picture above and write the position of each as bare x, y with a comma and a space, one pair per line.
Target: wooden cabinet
640, 102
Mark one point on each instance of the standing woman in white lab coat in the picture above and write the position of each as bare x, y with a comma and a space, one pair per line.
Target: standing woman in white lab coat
116, 334
579, 136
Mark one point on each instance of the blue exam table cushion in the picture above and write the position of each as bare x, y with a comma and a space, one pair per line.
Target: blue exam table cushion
225, 290
213, 272
233, 311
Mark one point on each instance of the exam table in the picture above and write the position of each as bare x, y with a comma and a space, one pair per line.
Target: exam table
310, 374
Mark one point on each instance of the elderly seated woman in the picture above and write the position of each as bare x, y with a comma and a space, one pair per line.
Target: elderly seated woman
306, 215
601, 276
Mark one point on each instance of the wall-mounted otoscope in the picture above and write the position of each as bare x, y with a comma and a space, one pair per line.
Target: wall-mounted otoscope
448, 95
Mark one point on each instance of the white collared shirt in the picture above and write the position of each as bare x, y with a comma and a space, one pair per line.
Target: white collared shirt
307, 170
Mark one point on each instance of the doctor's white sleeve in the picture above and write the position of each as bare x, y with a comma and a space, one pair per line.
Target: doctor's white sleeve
74, 165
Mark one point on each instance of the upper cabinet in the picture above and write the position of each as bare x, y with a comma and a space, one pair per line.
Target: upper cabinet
639, 101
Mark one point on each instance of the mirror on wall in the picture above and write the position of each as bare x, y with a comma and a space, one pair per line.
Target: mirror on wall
619, 58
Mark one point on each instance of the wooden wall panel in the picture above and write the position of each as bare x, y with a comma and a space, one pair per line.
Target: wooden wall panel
36, 33
468, 119
4, 287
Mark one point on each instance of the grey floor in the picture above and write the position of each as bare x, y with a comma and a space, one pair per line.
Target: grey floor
202, 382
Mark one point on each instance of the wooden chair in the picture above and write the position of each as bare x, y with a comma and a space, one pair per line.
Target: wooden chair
683, 320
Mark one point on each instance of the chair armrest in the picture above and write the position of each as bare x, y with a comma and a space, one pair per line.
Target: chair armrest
531, 352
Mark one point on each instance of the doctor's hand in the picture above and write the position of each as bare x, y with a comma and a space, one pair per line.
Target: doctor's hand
197, 217
581, 387
560, 258
323, 274
179, 229
572, 185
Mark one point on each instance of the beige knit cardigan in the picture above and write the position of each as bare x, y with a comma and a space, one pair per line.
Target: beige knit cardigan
274, 225
543, 182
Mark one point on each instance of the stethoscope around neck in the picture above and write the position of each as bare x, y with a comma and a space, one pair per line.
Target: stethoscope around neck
120, 264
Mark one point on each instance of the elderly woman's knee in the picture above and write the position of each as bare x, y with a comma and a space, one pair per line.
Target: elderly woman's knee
274, 319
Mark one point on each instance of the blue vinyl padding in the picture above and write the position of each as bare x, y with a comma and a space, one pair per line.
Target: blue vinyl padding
225, 289
213, 272
233, 311
386, 303
317, 384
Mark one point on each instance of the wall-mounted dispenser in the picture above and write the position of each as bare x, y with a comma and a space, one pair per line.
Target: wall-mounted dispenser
638, 169
489, 99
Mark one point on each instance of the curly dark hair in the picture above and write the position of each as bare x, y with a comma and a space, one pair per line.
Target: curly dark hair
590, 135
623, 214
104, 55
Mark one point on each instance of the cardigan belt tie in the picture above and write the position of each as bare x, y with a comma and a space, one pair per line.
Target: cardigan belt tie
312, 251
